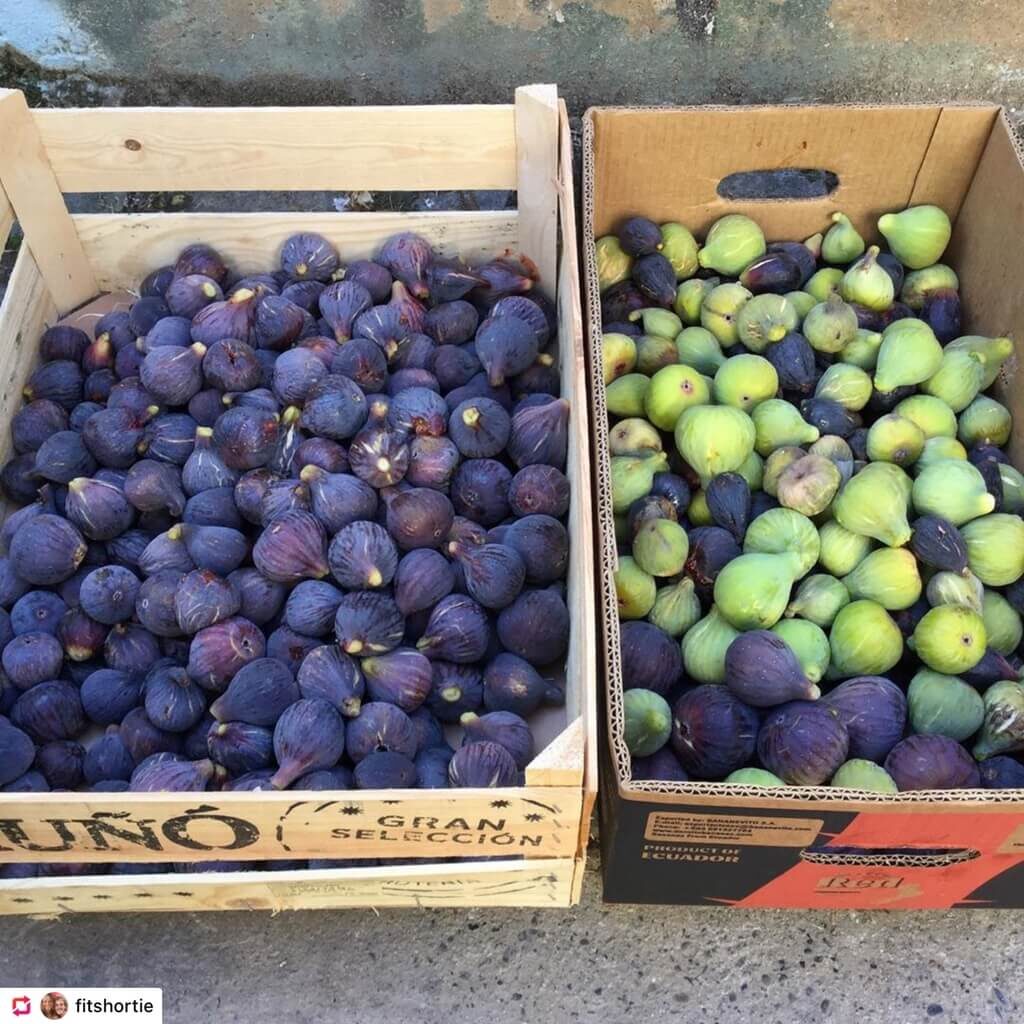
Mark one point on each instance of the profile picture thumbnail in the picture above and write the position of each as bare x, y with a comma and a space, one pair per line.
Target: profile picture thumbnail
54, 1005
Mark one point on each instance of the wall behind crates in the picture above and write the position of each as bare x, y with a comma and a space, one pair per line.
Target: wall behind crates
70, 52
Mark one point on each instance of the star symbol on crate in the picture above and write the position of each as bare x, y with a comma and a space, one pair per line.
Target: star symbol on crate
351, 809
534, 816
499, 803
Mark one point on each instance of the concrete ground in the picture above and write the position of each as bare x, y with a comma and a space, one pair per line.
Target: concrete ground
593, 963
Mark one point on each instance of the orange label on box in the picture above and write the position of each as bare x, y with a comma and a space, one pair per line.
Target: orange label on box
731, 829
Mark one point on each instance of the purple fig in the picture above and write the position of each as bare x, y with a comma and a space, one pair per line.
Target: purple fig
362, 361
290, 648
154, 487
29, 782
449, 279
62, 457
992, 668
512, 684
234, 317
16, 752
257, 694
59, 761
144, 739
402, 677
108, 759
278, 323
379, 455
505, 728
539, 490
480, 491
291, 548
408, 257
38, 611
309, 256
417, 410
762, 670
335, 408
651, 659
527, 310
188, 294
338, 498
372, 276
19, 480
656, 279
423, 578
535, 627
541, 377
458, 630
311, 608
33, 423
711, 549
341, 304
205, 469
219, 651
220, 549
295, 374
477, 387
199, 258
323, 779
81, 637
385, 770
539, 433
305, 294
480, 428
873, 711
1000, 772
482, 765
204, 598
362, 556
432, 767
166, 551
368, 623
245, 436
46, 550
59, 381
249, 492
713, 732
419, 518
320, 452
505, 346
330, 674
261, 598
661, 766
108, 695
451, 323
171, 330
639, 236
931, 761
130, 648
493, 573
455, 365
98, 385
169, 772
455, 689
415, 352
941, 312
100, 510
62, 342
154, 605
49, 711
240, 747
169, 438
309, 735
505, 276
128, 362
173, 374
803, 742
231, 365
432, 461
543, 544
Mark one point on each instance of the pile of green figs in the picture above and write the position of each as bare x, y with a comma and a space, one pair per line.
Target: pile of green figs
820, 542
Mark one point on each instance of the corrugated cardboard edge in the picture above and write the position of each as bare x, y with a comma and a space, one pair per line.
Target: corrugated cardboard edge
717, 793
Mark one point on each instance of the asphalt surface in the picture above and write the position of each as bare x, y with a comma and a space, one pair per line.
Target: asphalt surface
592, 963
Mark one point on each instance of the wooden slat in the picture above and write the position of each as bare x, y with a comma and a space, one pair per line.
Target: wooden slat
537, 176
207, 149
560, 763
125, 247
28, 180
27, 308
6, 218
536, 883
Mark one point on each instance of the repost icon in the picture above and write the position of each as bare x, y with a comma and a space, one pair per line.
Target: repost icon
21, 1006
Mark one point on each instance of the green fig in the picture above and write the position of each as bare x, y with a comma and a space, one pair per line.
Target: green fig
698, 512
809, 643
873, 503
699, 348
673, 390
995, 548
1002, 623
818, 599
647, 722
679, 247
744, 381
824, 283
1013, 488
752, 471
633, 436
898, 476
802, 302
841, 243
985, 421
932, 415
859, 773
943, 705
753, 777
953, 489
732, 242
868, 284
863, 350
784, 531
957, 380
964, 590
765, 319
909, 354
660, 547
1002, 729
831, 325
704, 647
676, 607
837, 450
776, 464
993, 352
635, 589
938, 448
894, 438
690, 297
618, 355
848, 385
808, 485
752, 591
888, 576
841, 550
714, 439
720, 309
625, 395
918, 236
657, 321
919, 284
777, 423
633, 477
864, 641
950, 639
654, 352
613, 262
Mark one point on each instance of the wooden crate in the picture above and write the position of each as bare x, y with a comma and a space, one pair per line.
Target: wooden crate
67, 261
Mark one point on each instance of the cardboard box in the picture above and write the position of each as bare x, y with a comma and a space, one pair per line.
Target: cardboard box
711, 844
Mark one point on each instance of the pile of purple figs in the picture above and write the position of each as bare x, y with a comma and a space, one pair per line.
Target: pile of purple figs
292, 530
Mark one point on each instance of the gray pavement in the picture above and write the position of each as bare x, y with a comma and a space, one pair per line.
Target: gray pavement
593, 963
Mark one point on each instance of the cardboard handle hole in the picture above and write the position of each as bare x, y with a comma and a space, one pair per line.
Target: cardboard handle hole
882, 856
779, 183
